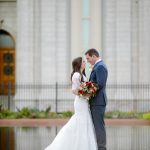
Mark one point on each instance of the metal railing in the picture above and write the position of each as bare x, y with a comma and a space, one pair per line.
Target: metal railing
60, 98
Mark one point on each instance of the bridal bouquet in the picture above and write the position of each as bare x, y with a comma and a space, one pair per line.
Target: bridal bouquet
87, 90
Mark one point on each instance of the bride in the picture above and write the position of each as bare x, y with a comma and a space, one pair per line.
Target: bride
78, 133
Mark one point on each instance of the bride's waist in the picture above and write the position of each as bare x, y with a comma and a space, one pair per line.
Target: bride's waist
79, 98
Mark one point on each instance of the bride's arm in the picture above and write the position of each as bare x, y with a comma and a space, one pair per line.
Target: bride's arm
75, 92
75, 83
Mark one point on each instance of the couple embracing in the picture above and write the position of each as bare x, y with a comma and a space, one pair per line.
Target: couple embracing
86, 128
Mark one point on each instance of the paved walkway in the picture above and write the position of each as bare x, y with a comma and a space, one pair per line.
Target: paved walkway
54, 122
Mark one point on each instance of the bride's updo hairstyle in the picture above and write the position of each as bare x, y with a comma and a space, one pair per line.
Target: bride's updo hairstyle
76, 67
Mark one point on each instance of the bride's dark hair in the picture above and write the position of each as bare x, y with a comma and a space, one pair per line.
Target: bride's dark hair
76, 66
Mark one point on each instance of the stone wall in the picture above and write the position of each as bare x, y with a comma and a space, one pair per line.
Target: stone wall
8, 14
126, 42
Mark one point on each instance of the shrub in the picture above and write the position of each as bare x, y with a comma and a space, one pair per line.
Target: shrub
146, 116
67, 114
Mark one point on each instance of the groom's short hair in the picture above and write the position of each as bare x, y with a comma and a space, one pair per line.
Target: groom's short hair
92, 52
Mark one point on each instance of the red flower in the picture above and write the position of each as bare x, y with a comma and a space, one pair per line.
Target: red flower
94, 91
80, 92
87, 89
94, 84
88, 83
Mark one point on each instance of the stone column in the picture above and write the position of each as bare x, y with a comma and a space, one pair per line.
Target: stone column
76, 11
117, 48
55, 49
28, 53
48, 41
144, 41
135, 42
123, 41
63, 53
109, 38
55, 41
144, 54
96, 25
25, 42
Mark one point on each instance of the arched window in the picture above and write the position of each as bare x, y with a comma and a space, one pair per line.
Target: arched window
7, 63
6, 41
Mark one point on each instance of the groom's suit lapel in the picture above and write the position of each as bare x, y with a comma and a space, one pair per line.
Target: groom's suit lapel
94, 68
91, 74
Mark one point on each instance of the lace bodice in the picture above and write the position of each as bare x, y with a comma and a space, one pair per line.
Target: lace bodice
76, 80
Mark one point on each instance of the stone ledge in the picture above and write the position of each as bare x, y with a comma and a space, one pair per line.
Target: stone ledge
60, 122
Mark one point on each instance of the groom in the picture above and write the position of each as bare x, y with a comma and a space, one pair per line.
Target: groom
98, 103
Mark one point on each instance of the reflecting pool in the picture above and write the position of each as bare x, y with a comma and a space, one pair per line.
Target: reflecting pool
37, 138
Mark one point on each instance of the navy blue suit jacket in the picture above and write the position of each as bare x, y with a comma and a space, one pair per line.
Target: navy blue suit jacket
99, 76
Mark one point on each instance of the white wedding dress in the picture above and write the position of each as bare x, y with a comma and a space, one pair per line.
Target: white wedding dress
78, 133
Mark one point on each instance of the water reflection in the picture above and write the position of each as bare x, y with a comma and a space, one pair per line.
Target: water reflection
37, 138
7, 139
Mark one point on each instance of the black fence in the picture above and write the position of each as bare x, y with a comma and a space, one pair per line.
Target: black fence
60, 98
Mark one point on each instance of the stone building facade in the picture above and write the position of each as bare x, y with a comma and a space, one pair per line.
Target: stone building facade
50, 33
